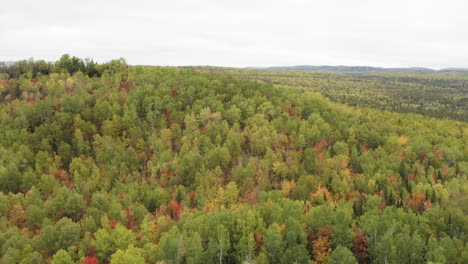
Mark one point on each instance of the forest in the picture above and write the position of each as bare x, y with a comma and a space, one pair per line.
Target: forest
113, 163
441, 94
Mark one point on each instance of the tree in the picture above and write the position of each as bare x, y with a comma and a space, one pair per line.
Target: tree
340, 148
435, 253
62, 257
222, 242
62, 235
294, 243
69, 64
17, 215
412, 254
218, 156
10, 179
318, 217
273, 244
403, 171
310, 160
75, 206
360, 250
321, 245
342, 255
91, 260
193, 248
170, 246
230, 194
129, 255
341, 234
110, 240
245, 248
384, 250
175, 209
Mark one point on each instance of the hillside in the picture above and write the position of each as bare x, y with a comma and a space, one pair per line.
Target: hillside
106, 163
442, 94
345, 69
362, 69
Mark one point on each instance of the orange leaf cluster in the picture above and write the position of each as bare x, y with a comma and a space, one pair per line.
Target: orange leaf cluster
321, 246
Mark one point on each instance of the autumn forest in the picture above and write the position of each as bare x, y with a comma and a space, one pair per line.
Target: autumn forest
117, 163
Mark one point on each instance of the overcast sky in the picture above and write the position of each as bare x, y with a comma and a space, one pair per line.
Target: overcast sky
240, 33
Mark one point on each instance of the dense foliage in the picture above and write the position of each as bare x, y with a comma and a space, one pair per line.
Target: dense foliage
167, 165
33, 69
437, 94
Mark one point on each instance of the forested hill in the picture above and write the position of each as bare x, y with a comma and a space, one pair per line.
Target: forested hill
117, 164
442, 94
345, 69
361, 69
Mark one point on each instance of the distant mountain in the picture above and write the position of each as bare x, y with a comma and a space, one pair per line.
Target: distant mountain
346, 69
454, 69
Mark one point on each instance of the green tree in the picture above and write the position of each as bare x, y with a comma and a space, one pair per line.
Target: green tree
129, 255
110, 240
170, 246
62, 257
342, 255
342, 231
61, 235
294, 243
273, 245
193, 248
435, 253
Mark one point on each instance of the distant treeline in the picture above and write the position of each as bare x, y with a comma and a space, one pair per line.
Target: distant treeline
346, 69
35, 68
361, 69
442, 94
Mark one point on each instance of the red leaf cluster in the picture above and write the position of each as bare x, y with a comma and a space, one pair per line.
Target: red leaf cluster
131, 223
192, 196
125, 85
91, 260
112, 223
360, 250
418, 203
176, 209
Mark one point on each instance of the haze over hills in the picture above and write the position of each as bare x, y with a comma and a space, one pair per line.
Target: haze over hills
355, 69
327, 68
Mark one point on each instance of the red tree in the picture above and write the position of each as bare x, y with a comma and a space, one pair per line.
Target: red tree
175, 209
112, 223
418, 203
91, 260
359, 247
131, 223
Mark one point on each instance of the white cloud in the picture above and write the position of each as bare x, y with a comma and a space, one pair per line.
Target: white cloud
240, 33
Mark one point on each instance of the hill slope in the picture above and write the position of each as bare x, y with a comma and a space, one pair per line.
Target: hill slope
169, 165
345, 69
442, 94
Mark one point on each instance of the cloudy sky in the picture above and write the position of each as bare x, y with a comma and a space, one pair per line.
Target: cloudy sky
390, 33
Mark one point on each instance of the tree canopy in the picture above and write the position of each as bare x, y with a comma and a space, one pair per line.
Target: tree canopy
110, 163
